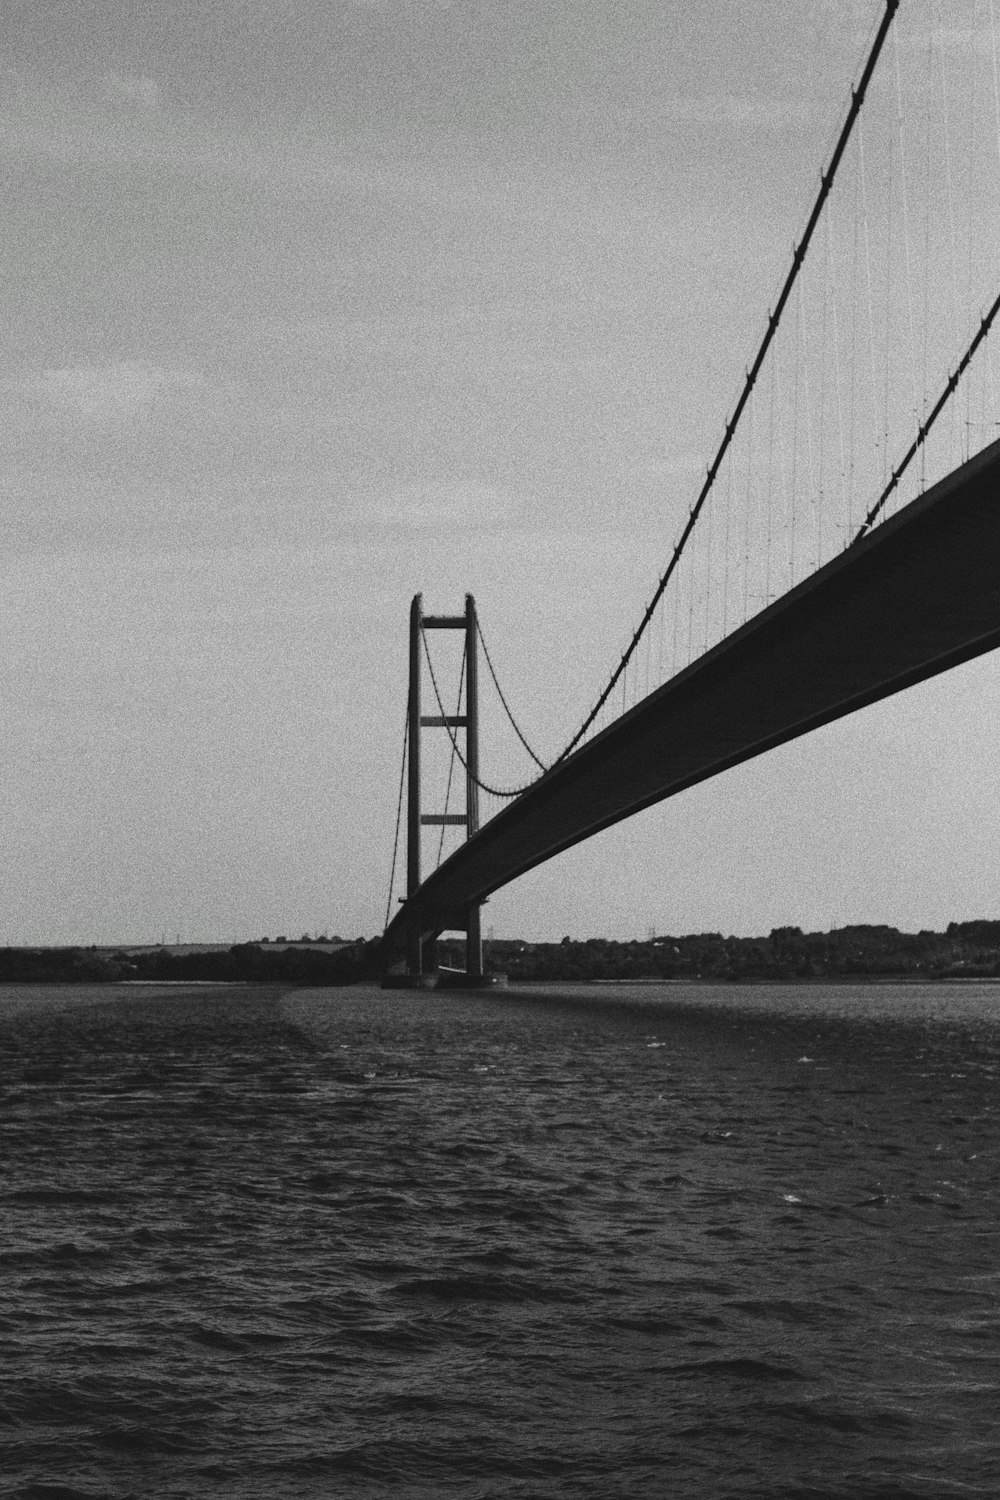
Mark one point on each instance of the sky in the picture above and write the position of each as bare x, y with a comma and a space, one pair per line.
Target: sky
311, 305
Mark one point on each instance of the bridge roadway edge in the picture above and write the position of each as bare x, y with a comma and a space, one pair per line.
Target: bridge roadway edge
916, 596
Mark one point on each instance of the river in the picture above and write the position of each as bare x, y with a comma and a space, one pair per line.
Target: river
594, 1241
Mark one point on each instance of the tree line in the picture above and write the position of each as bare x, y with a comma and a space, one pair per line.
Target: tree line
247, 963
964, 950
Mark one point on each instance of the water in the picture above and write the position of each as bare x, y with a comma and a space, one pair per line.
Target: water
612, 1241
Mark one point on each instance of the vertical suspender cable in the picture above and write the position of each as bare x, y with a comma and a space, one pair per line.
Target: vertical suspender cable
906, 232
824, 361
925, 354
951, 203
451, 758
871, 293
798, 256
970, 151
399, 816
796, 376
890, 190
921, 437
807, 408
852, 424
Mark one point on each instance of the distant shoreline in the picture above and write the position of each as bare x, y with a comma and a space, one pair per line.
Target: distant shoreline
966, 952
812, 979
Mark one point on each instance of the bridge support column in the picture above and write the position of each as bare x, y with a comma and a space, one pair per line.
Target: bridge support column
414, 941
421, 951
474, 943
473, 923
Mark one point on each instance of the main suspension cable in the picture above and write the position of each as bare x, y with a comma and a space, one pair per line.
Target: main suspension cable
483, 786
399, 814
513, 722
451, 758
925, 427
798, 257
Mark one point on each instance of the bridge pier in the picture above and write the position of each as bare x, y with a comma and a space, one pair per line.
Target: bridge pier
421, 967
474, 943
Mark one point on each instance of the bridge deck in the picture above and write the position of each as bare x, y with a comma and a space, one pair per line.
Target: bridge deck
919, 594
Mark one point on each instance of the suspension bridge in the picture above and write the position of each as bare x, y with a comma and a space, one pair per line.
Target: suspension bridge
845, 542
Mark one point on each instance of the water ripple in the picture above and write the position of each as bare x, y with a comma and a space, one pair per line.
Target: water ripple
704, 1243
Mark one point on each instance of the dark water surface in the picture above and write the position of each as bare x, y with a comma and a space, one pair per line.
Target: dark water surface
611, 1242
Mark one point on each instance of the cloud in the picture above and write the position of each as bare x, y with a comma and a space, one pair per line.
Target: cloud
141, 91
740, 110
101, 394
428, 506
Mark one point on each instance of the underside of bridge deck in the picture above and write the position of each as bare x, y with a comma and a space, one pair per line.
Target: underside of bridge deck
919, 594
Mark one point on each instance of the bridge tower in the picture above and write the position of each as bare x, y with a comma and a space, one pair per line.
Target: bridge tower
420, 956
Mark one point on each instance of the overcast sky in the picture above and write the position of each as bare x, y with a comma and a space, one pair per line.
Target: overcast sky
312, 304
